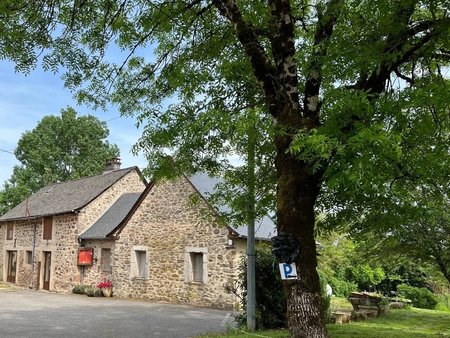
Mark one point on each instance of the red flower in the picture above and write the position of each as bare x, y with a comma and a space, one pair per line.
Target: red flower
105, 284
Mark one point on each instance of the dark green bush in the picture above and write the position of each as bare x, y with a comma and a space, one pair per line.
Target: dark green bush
420, 297
93, 292
90, 292
80, 289
326, 300
342, 287
270, 295
270, 298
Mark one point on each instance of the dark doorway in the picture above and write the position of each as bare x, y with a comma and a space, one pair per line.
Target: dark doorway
12, 266
47, 269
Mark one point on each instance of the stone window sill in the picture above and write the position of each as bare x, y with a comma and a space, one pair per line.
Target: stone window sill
196, 283
140, 278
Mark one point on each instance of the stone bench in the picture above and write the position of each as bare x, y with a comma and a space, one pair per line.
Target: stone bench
341, 317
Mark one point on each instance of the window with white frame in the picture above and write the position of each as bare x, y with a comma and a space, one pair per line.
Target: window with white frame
139, 262
196, 265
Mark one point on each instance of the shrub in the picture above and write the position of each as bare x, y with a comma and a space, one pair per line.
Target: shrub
443, 302
420, 297
93, 292
80, 289
341, 287
270, 298
326, 300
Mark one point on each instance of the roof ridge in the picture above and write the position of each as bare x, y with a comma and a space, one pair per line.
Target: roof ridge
67, 196
87, 177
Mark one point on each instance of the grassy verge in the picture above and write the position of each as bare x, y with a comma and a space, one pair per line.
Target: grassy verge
412, 323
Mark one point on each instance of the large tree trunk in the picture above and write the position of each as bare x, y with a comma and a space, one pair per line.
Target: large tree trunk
296, 195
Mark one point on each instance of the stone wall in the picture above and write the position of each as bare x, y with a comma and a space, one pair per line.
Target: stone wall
130, 183
168, 227
63, 246
65, 273
21, 243
2, 250
95, 274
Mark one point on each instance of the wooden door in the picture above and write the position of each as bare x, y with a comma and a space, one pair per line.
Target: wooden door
12, 266
47, 269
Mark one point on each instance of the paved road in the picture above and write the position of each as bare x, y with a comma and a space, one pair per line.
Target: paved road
26, 313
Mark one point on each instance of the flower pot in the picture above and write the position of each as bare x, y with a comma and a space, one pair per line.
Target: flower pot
107, 292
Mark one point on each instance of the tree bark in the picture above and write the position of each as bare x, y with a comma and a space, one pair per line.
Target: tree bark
297, 192
298, 186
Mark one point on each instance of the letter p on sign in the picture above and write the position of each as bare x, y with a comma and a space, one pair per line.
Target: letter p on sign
288, 271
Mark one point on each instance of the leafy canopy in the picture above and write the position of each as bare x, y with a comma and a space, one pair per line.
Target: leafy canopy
350, 95
59, 148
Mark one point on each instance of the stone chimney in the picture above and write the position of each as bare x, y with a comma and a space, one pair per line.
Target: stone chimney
112, 164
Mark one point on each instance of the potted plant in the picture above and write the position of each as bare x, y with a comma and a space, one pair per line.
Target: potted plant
106, 287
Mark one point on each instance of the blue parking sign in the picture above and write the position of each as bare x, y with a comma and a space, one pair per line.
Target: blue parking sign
288, 271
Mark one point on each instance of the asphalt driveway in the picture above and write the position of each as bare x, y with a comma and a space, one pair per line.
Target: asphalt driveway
26, 313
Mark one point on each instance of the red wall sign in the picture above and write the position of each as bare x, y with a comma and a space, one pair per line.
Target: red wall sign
85, 256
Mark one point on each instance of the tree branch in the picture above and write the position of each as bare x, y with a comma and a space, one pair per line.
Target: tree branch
263, 68
324, 30
283, 50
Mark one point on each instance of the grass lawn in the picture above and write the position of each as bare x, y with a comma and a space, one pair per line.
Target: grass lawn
412, 323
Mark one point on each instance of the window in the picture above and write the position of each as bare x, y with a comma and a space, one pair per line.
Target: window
10, 231
197, 266
29, 256
141, 263
48, 227
106, 260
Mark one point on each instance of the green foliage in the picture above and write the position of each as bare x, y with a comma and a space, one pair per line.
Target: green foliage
342, 287
443, 302
326, 299
270, 298
366, 276
59, 148
420, 297
346, 267
93, 292
80, 289
411, 323
90, 292
351, 97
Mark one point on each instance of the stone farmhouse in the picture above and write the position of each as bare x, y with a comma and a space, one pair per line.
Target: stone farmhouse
151, 240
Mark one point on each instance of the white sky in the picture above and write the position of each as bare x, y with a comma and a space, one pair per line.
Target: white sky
24, 100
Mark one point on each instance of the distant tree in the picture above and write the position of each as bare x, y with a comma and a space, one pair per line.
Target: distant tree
421, 233
59, 148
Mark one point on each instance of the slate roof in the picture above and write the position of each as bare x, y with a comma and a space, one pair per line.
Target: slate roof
65, 197
116, 217
112, 218
265, 228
